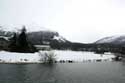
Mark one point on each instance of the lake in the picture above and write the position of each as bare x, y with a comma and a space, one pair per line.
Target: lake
89, 72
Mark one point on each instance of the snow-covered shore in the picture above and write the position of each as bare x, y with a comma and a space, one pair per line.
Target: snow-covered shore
75, 56
79, 56
12, 57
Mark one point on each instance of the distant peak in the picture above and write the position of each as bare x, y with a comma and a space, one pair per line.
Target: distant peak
119, 39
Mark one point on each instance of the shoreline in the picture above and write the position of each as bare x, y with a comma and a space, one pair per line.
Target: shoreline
89, 61
60, 56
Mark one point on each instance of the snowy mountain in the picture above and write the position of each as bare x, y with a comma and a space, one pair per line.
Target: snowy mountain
45, 37
117, 40
36, 35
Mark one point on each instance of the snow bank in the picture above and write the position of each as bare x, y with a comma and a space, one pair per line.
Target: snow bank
82, 56
75, 56
11, 57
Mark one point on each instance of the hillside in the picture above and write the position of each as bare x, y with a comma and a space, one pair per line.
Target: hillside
116, 40
38, 37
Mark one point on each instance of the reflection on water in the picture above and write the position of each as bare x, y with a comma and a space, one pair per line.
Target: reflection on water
96, 72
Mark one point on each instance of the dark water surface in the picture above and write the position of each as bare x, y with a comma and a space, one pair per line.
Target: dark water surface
96, 72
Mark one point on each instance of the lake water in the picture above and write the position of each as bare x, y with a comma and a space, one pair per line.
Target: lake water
90, 72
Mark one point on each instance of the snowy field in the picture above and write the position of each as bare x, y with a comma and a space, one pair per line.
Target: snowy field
61, 56
82, 56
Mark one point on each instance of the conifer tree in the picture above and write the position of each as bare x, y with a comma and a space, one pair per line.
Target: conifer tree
20, 43
22, 40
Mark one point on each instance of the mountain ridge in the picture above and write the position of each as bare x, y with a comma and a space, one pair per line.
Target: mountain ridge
41, 36
117, 40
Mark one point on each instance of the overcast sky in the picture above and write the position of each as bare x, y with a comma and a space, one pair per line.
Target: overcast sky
77, 20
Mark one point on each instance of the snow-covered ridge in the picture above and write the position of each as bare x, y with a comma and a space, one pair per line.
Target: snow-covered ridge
107, 39
36, 35
6, 38
59, 38
113, 39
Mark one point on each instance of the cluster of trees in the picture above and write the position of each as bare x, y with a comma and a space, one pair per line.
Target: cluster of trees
97, 48
55, 44
19, 43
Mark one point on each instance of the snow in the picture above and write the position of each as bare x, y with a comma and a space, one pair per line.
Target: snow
59, 38
108, 39
18, 57
81, 56
6, 38
9, 28
75, 56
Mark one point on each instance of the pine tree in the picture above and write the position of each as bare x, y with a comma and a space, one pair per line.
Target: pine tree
22, 40
20, 43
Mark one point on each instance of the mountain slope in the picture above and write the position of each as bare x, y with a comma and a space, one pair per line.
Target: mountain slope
45, 37
117, 40
36, 37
